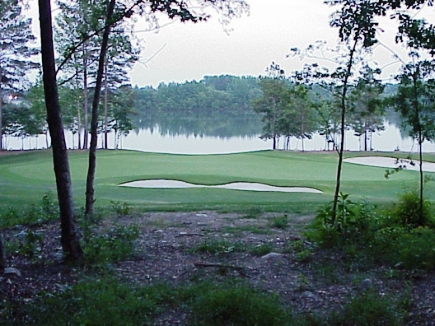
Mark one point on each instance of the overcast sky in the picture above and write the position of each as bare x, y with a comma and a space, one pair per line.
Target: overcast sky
181, 52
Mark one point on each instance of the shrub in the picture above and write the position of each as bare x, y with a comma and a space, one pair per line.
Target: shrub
253, 212
44, 211
112, 246
280, 222
120, 209
236, 304
354, 223
407, 210
98, 302
404, 248
367, 309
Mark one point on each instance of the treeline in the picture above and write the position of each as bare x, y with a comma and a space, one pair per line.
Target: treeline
220, 106
24, 114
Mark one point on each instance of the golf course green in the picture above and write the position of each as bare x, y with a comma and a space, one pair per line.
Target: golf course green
26, 176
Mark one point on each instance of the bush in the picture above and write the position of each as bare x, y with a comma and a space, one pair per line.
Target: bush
280, 222
353, 224
367, 309
253, 212
235, 304
112, 246
407, 210
404, 248
98, 302
44, 211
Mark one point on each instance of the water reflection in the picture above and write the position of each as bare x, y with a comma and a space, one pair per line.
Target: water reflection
166, 141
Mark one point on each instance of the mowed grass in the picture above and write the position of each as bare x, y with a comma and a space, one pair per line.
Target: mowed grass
25, 177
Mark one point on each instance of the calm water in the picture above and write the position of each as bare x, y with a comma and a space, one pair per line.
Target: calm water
145, 140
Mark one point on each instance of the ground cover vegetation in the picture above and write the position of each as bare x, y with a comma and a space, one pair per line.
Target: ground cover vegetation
356, 263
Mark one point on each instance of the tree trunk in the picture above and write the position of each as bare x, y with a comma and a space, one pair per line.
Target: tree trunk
365, 140
1, 114
342, 129
420, 145
69, 236
2, 255
106, 95
85, 98
89, 208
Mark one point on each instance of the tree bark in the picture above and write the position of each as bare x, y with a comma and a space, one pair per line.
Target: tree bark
106, 104
1, 114
89, 207
2, 255
85, 98
69, 236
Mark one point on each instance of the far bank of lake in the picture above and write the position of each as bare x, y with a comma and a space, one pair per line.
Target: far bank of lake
153, 141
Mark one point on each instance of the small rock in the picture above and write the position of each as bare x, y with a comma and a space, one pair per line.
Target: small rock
310, 295
271, 255
366, 284
12, 272
201, 215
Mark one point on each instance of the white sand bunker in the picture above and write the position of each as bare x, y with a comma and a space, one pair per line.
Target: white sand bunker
391, 162
161, 183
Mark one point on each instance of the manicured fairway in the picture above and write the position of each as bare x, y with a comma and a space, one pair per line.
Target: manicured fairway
25, 177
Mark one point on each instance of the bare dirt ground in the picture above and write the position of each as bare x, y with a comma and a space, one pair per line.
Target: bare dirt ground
170, 248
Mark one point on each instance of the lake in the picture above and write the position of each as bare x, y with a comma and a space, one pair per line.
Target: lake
152, 141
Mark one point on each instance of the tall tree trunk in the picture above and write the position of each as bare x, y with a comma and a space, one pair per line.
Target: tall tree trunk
1, 113
69, 236
89, 208
85, 98
79, 128
106, 95
420, 143
365, 140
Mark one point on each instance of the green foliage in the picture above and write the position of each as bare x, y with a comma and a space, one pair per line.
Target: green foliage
303, 253
113, 246
404, 248
253, 212
407, 210
262, 249
280, 222
349, 224
237, 304
393, 237
105, 301
218, 247
367, 309
120, 209
46, 210
32, 246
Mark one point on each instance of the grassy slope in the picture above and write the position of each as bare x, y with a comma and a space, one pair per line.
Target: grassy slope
24, 178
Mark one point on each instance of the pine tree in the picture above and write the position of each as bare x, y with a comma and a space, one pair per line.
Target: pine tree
15, 52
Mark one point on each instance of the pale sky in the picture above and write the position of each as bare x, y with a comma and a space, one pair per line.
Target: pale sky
189, 51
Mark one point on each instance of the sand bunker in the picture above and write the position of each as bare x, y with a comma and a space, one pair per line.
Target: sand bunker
160, 183
390, 162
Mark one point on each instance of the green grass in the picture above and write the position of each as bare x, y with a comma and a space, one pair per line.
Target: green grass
24, 178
